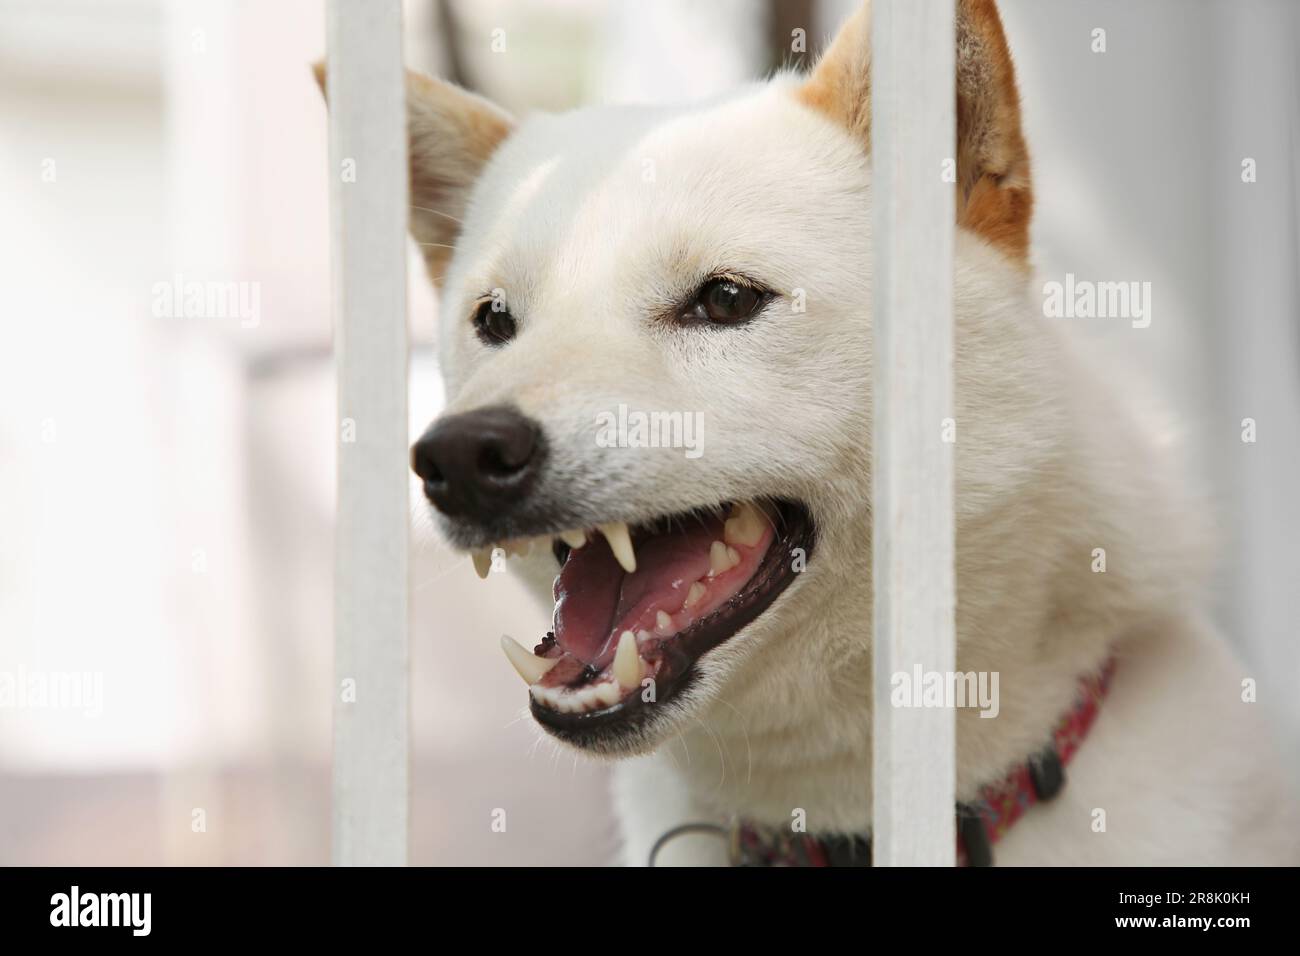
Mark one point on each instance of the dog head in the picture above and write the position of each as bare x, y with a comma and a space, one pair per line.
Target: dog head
656, 339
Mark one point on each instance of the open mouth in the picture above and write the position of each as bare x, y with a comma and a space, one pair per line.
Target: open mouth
636, 607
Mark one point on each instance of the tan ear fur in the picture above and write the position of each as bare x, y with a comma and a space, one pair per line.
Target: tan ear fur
994, 188
840, 83
452, 134
995, 196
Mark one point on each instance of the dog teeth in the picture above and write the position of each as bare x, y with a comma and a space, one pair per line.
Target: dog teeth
482, 561
569, 701
745, 526
717, 558
722, 558
694, 595
624, 674
527, 664
627, 662
519, 546
574, 539
663, 623
620, 542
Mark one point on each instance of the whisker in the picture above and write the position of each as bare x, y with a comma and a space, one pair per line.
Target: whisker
437, 213
722, 758
749, 753
685, 747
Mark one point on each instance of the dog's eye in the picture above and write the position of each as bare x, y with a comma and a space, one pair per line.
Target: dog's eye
724, 302
495, 326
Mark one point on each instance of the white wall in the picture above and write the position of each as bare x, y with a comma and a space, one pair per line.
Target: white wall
1137, 164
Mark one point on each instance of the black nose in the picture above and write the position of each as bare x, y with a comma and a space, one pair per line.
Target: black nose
476, 464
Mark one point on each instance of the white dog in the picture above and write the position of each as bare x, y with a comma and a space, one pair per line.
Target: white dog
656, 334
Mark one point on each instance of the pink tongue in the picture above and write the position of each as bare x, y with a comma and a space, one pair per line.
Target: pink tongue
594, 596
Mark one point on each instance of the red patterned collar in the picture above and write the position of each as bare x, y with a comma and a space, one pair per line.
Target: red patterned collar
979, 824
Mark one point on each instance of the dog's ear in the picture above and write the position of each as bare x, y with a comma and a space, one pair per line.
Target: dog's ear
452, 134
840, 84
994, 192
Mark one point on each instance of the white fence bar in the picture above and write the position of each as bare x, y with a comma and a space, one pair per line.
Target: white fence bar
912, 133
368, 209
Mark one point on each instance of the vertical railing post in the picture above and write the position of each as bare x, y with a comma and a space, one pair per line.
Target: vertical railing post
368, 212
913, 143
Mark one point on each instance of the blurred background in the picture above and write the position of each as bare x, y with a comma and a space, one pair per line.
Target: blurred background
166, 483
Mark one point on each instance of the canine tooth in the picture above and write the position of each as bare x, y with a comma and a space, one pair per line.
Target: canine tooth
527, 664
745, 526
627, 661
718, 558
694, 595
620, 542
663, 623
574, 539
482, 561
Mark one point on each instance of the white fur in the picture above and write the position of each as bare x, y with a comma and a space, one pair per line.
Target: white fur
1053, 460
